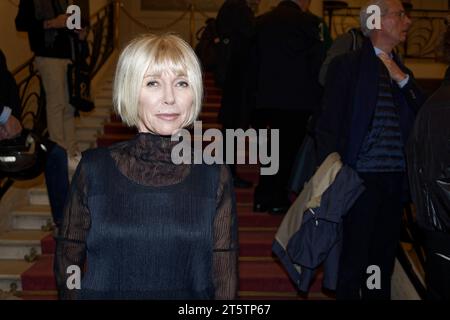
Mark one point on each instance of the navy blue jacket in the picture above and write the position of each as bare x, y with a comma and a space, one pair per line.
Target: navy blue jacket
350, 98
319, 239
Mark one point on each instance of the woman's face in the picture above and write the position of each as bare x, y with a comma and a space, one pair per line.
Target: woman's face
165, 103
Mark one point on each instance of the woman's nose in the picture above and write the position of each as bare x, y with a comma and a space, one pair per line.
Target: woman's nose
169, 97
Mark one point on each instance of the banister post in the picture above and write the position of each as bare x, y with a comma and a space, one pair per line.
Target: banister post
116, 23
192, 25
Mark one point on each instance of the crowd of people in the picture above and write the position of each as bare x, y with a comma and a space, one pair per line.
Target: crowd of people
358, 99
278, 70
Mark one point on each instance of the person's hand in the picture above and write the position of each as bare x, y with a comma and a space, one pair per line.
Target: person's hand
11, 129
394, 71
56, 23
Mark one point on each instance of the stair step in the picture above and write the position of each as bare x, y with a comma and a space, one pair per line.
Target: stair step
209, 116
264, 276
213, 99
10, 271
103, 101
31, 217
89, 122
244, 195
86, 133
256, 243
118, 128
48, 245
247, 218
267, 295
213, 91
40, 277
39, 295
15, 244
38, 196
98, 112
211, 107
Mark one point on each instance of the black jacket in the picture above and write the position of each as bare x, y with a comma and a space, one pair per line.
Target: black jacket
9, 93
350, 97
428, 154
288, 54
27, 22
235, 27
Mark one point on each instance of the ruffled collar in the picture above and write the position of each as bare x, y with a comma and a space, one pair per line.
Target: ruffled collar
152, 147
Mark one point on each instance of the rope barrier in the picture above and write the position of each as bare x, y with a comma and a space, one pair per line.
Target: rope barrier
148, 28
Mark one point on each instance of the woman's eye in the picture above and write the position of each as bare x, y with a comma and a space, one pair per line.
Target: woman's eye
183, 84
152, 83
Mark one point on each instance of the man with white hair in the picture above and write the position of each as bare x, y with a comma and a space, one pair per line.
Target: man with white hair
370, 102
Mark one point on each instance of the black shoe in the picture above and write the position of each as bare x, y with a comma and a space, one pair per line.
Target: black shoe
278, 210
260, 207
241, 183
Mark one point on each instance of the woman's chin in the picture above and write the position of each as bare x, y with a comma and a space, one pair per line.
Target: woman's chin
167, 131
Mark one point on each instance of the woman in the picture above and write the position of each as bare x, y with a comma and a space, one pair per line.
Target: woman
429, 175
150, 229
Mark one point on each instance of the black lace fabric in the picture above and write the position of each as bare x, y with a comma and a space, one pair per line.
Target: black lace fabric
146, 160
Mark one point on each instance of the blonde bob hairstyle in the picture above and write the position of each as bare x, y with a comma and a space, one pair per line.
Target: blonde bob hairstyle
154, 54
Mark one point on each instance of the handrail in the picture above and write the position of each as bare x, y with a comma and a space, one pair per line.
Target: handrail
423, 38
22, 66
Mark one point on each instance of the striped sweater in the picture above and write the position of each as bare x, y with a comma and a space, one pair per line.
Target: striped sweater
383, 147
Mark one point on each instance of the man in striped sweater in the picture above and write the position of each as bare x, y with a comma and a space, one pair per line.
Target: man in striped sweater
370, 102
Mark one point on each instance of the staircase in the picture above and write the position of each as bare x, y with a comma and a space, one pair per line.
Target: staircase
27, 246
261, 275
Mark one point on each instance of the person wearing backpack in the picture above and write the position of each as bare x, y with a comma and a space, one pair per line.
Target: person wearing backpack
349, 41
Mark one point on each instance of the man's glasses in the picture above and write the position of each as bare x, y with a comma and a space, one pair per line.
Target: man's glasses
401, 14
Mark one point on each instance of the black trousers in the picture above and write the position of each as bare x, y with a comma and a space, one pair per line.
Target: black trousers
371, 232
272, 189
437, 268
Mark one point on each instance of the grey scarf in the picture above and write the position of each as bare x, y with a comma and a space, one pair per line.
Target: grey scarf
49, 9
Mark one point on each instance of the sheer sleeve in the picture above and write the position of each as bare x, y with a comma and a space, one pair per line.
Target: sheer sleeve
226, 247
71, 238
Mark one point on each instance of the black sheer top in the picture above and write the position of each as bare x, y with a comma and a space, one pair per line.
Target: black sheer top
146, 160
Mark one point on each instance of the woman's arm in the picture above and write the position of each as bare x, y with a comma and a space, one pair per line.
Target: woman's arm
71, 239
226, 246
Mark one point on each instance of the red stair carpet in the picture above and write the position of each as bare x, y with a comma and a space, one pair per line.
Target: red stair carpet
261, 275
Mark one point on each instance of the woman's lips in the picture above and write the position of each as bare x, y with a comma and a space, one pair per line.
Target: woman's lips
168, 116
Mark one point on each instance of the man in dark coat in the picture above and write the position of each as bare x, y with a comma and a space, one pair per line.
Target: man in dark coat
235, 27
287, 57
370, 102
429, 175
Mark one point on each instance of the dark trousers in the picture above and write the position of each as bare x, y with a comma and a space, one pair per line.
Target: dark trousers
57, 180
272, 189
437, 268
370, 237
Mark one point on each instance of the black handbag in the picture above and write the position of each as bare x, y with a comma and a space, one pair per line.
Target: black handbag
78, 78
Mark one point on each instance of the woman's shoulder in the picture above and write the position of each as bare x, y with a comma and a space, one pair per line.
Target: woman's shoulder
95, 154
92, 154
